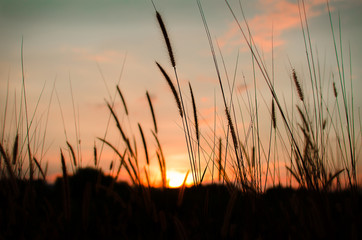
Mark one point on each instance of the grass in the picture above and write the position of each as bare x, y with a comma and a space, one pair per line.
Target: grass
324, 203
98, 207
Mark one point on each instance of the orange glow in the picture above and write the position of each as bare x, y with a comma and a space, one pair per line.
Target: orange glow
279, 16
175, 179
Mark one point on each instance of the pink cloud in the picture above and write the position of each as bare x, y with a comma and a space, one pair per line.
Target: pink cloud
206, 79
207, 116
241, 88
276, 17
104, 57
86, 54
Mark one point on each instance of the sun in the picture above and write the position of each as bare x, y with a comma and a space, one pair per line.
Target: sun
175, 179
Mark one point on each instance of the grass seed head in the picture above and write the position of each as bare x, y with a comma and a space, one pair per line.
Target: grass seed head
172, 87
152, 111
167, 39
195, 114
335, 90
274, 120
123, 101
298, 86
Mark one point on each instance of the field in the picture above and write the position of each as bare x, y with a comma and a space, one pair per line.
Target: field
97, 207
237, 191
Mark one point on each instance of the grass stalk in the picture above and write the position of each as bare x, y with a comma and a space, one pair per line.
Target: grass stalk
172, 87
197, 130
66, 191
112, 101
144, 144
26, 111
9, 168
230, 123
37, 163
340, 65
166, 38
268, 81
121, 159
161, 161
5, 110
123, 101
72, 154
76, 127
124, 137
179, 99
152, 112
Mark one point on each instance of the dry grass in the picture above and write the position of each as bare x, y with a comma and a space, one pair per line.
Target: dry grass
66, 191
122, 98
240, 207
152, 112
172, 87
298, 85
166, 38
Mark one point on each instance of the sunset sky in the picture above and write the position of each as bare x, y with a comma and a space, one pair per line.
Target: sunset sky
81, 46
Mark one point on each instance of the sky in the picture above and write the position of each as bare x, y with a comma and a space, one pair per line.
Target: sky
78, 51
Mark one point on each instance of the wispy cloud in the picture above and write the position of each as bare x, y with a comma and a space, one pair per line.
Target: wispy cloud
274, 18
87, 54
241, 88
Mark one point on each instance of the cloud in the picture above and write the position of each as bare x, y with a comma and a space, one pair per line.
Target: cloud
241, 88
207, 116
103, 105
87, 54
274, 18
203, 78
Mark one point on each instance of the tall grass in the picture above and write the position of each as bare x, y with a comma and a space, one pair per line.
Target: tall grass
309, 137
26, 154
243, 161
193, 152
129, 159
311, 165
241, 158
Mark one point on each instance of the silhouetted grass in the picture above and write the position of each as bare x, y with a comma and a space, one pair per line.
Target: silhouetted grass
98, 209
90, 204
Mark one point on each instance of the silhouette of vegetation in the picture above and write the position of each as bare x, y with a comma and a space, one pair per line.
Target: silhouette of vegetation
99, 209
87, 203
